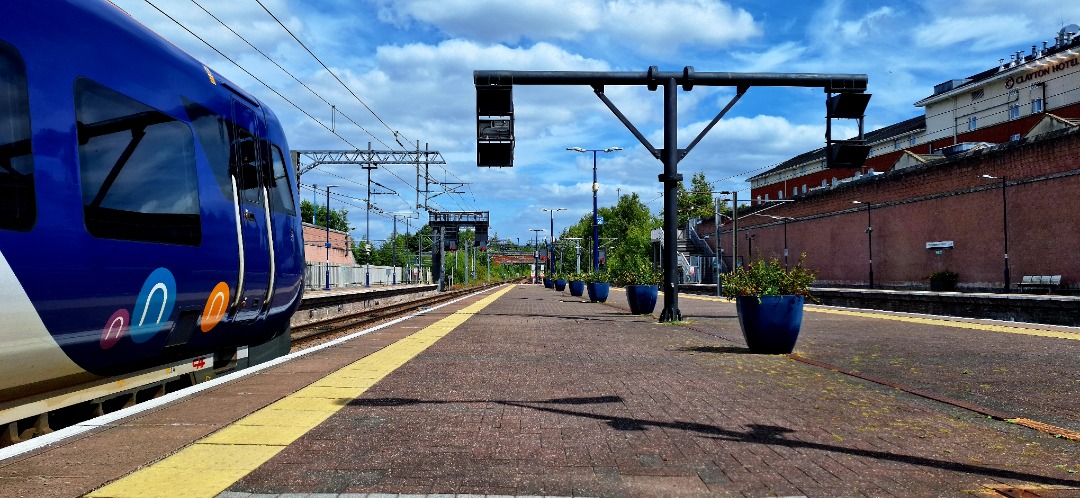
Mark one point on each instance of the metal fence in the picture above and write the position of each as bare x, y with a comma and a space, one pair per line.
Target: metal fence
359, 275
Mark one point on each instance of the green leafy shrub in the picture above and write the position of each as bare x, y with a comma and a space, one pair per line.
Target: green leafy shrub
642, 273
768, 278
944, 276
597, 276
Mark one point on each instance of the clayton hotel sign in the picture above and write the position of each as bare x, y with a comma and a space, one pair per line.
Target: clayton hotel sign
1049, 68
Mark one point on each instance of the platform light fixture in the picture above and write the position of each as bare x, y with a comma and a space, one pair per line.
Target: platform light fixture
869, 241
595, 210
552, 211
1005, 227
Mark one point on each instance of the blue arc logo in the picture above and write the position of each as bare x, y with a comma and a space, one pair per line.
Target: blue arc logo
154, 307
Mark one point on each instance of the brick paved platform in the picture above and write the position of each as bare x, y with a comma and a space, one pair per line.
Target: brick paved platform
543, 394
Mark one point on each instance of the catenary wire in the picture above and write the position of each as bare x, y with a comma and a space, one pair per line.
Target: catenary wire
397, 136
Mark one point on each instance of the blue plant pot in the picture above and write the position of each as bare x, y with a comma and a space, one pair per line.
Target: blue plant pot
641, 298
560, 285
577, 288
770, 324
598, 291
548, 283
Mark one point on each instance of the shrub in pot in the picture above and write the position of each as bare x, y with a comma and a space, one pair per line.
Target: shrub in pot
642, 283
598, 285
769, 300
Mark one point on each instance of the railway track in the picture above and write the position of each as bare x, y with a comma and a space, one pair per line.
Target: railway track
317, 332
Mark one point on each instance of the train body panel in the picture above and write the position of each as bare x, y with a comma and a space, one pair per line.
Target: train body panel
150, 208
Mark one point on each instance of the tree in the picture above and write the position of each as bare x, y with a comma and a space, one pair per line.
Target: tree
697, 202
339, 219
632, 223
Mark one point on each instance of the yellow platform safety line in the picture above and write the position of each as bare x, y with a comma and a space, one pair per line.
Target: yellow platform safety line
212, 464
1056, 334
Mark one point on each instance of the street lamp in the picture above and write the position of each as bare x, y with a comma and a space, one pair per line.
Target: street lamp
536, 254
719, 252
869, 241
595, 215
328, 187
785, 220
577, 250
552, 213
750, 245
1005, 226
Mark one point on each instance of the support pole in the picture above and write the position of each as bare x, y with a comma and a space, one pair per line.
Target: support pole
670, 179
1005, 225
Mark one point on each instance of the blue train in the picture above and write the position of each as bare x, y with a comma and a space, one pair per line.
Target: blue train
148, 212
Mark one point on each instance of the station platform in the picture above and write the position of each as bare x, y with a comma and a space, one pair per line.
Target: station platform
522, 390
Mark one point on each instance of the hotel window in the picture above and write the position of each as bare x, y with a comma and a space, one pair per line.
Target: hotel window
779, 194
1014, 111
972, 123
794, 191
766, 197
1036, 106
896, 144
911, 141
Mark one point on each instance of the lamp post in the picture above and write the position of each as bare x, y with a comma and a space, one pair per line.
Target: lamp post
577, 249
785, 220
536, 254
595, 214
1005, 228
716, 239
869, 241
552, 211
328, 187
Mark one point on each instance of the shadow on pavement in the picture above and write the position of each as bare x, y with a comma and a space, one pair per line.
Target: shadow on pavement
754, 433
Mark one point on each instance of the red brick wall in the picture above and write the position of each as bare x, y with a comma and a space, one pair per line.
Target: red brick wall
938, 202
315, 245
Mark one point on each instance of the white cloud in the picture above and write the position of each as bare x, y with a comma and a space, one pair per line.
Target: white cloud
650, 26
982, 33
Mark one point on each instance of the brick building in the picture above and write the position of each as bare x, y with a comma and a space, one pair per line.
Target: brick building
925, 202
341, 244
936, 215
1001, 104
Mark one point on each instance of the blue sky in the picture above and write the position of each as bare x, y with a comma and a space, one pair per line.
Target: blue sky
411, 63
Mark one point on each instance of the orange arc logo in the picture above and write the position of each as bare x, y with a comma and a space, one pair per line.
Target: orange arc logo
215, 307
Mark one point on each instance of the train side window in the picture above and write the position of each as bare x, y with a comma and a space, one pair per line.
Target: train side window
247, 159
137, 169
18, 208
280, 185
213, 133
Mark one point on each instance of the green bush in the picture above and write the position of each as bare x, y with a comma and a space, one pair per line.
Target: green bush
641, 273
768, 278
597, 276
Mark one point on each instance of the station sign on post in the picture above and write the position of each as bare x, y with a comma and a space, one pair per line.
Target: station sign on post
494, 126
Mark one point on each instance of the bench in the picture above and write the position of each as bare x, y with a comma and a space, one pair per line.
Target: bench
1048, 282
